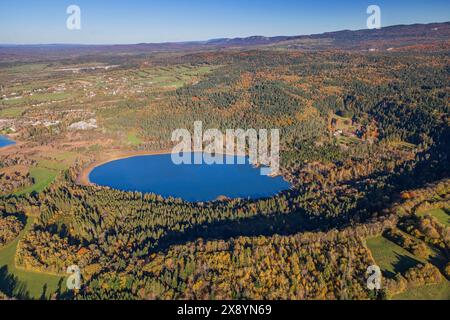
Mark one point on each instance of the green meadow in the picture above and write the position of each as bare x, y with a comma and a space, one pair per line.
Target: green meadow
22, 283
440, 291
133, 139
391, 258
42, 177
14, 112
440, 214
47, 171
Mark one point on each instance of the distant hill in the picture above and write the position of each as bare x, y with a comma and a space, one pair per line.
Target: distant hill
392, 37
400, 34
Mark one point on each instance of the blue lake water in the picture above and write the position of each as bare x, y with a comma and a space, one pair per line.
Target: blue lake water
158, 174
4, 141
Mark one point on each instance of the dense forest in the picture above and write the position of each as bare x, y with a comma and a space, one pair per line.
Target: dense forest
365, 146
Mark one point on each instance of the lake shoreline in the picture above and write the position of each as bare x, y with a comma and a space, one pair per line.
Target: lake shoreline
8, 140
154, 172
83, 177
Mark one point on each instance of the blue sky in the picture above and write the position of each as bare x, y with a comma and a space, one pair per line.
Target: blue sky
136, 21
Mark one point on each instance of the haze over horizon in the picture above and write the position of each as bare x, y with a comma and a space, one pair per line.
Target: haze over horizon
198, 20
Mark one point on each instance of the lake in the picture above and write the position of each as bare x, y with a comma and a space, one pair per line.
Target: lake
194, 183
4, 141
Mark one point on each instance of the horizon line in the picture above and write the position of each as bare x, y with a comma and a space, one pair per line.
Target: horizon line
207, 40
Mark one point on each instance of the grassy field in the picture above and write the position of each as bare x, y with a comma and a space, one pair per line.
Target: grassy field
16, 106
24, 68
439, 291
393, 259
21, 283
29, 284
45, 97
12, 102
133, 139
12, 112
390, 257
402, 145
47, 170
43, 177
174, 77
440, 215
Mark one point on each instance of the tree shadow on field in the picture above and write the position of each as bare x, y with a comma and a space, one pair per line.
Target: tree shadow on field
403, 263
280, 224
11, 286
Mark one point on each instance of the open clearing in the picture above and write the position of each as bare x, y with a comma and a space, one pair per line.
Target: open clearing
47, 170
43, 177
440, 291
391, 258
441, 215
26, 284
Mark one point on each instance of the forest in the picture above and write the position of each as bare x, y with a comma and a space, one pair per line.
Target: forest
364, 143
